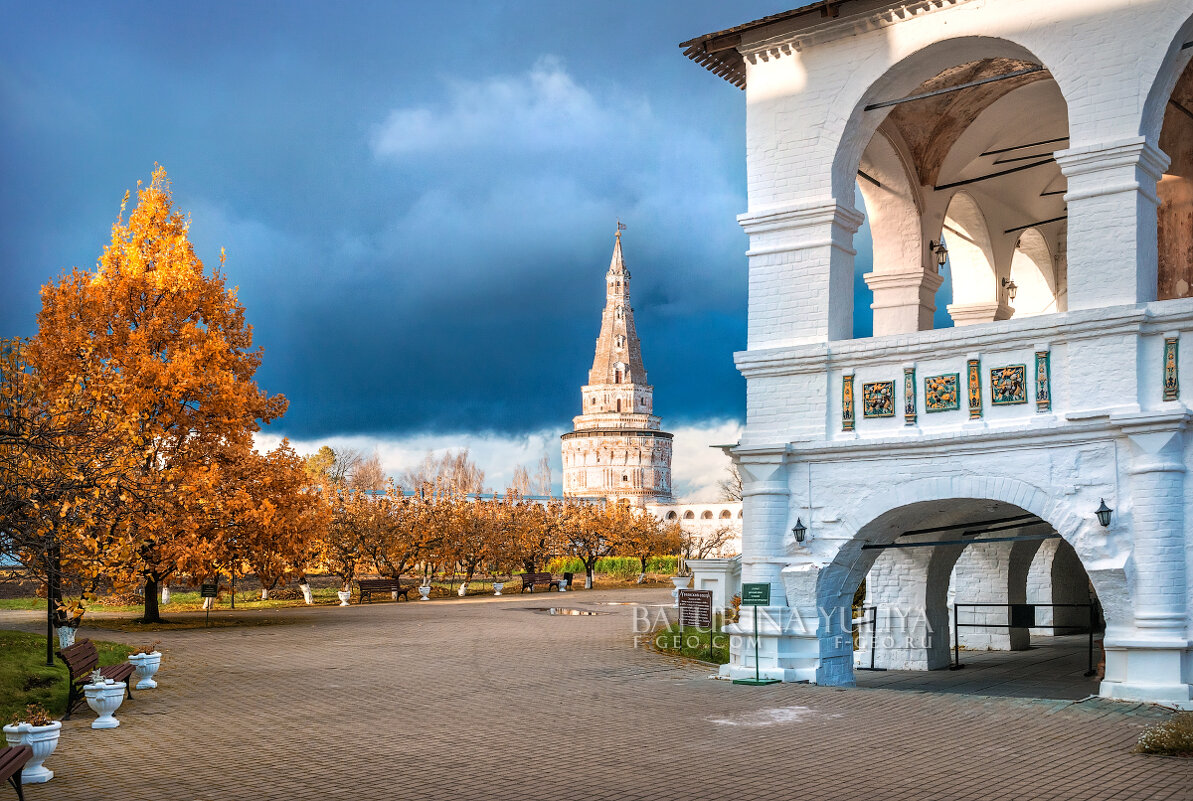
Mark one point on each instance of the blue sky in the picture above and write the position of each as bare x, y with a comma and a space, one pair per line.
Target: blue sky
417, 200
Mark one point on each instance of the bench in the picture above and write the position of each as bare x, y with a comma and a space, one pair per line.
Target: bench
531, 580
370, 586
12, 760
82, 658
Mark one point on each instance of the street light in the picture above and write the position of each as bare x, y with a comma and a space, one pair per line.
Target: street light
1012, 290
941, 253
1103, 513
799, 530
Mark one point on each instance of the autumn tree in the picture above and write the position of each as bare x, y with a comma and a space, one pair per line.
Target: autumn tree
646, 536
368, 474
166, 353
453, 470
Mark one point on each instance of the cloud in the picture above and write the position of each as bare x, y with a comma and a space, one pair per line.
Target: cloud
542, 110
695, 466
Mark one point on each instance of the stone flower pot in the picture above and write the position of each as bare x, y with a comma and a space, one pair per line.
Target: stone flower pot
146, 666
66, 635
306, 593
104, 699
345, 596
165, 595
424, 592
563, 585
43, 740
681, 583
498, 586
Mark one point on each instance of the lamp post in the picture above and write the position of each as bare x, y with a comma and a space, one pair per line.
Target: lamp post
1012, 289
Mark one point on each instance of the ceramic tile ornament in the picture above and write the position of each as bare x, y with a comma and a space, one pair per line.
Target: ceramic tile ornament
1172, 387
1043, 381
973, 372
847, 402
878, 399
909, 413
1008, 385
942, 393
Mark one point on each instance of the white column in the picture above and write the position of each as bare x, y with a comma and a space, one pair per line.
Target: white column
801, 273
904, 302
1152, 663
1112, 205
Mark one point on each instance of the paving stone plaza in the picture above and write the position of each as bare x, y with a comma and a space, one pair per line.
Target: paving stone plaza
486, 699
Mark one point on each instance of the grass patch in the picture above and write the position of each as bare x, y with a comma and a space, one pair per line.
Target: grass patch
694, 643
26, 679
1173, 737
135, 626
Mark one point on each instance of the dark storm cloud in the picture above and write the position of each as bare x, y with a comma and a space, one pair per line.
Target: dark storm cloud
417, 204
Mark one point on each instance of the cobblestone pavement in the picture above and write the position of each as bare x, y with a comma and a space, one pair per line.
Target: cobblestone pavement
486, 699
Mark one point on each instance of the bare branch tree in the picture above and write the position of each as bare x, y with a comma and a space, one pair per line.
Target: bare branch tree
730, 487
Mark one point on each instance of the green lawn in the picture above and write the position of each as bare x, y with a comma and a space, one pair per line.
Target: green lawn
694, 643
25, 678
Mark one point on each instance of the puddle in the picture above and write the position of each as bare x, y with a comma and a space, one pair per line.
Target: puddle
562, 610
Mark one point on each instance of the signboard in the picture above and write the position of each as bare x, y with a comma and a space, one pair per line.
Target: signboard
755, 594
695, 608
208, 590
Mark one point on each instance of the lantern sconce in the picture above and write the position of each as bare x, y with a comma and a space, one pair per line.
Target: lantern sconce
939, 251
1103, 513
799, 530
1012, 290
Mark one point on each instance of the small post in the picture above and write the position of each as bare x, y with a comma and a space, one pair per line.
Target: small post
756, 676
956, 640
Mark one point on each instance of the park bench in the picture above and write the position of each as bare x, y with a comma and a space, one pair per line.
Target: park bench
531, 580
12, 760
370, 586
82, 658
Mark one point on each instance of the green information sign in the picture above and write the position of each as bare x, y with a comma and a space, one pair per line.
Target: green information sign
755, 594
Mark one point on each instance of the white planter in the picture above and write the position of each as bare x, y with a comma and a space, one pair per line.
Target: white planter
146, 666
66, 636
104, 699
43, 740
681, 583
424, 592
345, 596
563, 585
463, 590
498, 586
306, 593
165, 595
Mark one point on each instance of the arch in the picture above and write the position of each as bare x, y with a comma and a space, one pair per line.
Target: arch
1036, 282
972, 262
877, 520
689, 515
726, 514
706, 515
899, 80
1172, 67
672, 516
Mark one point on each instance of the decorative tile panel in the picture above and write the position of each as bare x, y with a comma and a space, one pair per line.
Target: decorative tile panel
847, 402
1172, 387
973, 372
1008, 385
1043, 380
942, 393
909, 413
878, 399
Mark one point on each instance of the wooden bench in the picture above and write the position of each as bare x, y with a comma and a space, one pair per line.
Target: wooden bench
82, 658
531, 580
370, 586
12, 760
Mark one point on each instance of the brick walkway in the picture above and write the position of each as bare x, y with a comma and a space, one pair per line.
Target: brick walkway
484, 699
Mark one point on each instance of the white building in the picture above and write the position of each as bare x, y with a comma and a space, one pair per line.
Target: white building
1050, 145
617, 450
718, 524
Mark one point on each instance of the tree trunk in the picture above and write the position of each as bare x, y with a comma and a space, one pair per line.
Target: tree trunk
589, 567
642, 575
152, 614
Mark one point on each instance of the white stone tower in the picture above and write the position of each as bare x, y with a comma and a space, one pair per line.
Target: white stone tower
617, 450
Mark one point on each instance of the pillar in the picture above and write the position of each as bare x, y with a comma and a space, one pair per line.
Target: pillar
1112, 221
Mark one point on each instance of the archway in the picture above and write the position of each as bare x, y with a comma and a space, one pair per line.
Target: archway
941, 517
1038, 283
958, 136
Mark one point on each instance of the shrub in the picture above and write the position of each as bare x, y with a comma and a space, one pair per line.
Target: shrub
34, 715
145, 649
622, 567
1174, 737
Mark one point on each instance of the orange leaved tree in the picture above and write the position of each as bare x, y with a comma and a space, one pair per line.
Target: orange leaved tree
164, 348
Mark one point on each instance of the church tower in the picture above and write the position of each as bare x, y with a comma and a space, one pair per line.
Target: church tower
616, 449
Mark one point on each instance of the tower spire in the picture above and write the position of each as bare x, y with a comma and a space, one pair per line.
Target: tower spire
618, 358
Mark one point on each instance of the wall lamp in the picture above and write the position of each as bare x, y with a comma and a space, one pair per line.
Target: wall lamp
1103, 513
1012, 290
799, 530
941, 253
